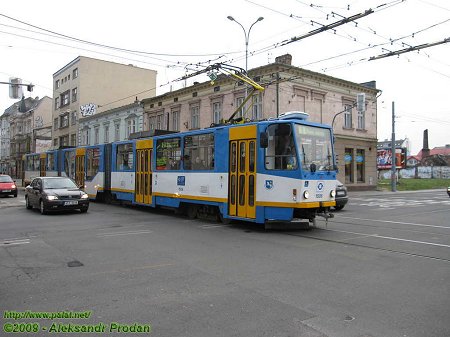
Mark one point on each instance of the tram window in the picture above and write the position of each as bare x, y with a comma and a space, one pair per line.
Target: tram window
124, 157
168, 154
280, 152
316, 152
36, 162
69, 164
93, 162
199, 152
30, 163
50, 162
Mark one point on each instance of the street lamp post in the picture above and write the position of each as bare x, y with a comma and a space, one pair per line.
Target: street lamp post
247, 36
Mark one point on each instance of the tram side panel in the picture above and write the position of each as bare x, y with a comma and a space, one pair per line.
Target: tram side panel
123, 156
199, 175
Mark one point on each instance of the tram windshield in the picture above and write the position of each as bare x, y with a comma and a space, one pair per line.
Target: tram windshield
315, 149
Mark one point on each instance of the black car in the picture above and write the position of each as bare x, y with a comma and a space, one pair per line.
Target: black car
448, 191
7, 185
341, 196
55, 194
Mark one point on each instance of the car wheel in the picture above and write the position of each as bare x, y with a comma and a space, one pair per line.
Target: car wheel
27, 203
42, 208
338, 208
84, 209
15, 195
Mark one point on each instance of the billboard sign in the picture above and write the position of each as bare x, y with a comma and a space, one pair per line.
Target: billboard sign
384, 158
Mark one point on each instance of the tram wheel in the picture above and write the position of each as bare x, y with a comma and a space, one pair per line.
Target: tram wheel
192, 211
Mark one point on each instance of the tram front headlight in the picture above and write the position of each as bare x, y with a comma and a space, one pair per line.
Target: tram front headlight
333, 193
306, 194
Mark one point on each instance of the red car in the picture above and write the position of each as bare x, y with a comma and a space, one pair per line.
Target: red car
7, 186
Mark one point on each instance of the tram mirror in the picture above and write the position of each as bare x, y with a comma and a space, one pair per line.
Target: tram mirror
263, 140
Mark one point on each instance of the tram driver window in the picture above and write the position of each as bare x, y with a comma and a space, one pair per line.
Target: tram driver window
280, 153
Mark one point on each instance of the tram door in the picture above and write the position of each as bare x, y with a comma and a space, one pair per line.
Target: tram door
242, 178
143, 182
80, 167
43, 165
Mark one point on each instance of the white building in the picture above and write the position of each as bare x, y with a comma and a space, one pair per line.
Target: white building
111, 125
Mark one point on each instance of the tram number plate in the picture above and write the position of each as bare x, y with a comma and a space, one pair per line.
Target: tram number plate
319, 195
70, 203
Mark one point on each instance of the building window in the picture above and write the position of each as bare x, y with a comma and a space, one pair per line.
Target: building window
117, 131
348, 159
195, 117
361, 120
348, 116
175, 120
55, 142
360, 163
256, 107
65, 98
55, 124
106, 134
57, 84
96, 135
240, 113
74, 94
73, 139
73, 117
64, 121
86, 137
131, 127
152, 123
56, 103
75, 73
64, 140
217, 112
159, 122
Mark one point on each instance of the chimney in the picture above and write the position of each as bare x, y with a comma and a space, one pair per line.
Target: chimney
284, 59
425, 149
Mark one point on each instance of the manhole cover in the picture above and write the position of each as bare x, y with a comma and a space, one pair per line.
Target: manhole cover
74, 264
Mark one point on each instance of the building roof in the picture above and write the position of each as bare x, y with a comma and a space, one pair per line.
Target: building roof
387, 144
440, 150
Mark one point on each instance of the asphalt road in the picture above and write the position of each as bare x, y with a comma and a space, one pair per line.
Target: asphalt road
380, 268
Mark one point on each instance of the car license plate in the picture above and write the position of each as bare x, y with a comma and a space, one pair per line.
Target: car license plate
70, 203
340, 193
6, 190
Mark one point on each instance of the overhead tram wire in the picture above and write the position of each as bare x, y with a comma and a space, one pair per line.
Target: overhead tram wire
111, 47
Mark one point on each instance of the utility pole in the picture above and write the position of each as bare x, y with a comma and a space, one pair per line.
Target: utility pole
393, 180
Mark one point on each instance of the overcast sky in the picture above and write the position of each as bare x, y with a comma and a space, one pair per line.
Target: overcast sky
176, 35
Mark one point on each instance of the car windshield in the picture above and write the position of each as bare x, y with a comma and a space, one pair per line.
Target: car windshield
5, 179
59, 183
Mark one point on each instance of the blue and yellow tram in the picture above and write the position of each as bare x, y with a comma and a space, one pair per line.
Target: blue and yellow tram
277, 170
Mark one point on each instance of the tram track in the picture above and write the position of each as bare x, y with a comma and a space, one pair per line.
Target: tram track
346, 242
385, 227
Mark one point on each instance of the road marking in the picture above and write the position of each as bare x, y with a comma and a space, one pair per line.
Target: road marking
395, 222
123, 233
12, 242
389, 238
